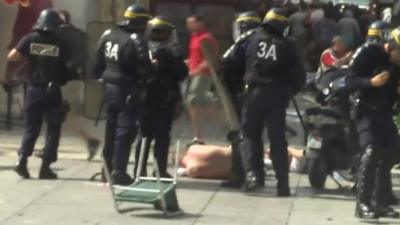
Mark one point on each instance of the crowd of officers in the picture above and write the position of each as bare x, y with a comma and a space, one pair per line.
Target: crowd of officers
263, 72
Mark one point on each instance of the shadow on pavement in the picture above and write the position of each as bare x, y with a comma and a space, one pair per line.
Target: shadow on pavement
74, 179
7, 168
201, 185
160, 216
339, 194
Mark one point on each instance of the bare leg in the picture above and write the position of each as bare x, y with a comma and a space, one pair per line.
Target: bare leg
195, 116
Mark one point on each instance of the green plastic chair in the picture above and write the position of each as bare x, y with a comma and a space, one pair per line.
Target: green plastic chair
157, 191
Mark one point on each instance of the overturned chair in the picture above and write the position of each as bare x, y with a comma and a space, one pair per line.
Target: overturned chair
157, 191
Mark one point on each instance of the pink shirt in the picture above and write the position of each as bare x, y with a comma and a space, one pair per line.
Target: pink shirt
196, 56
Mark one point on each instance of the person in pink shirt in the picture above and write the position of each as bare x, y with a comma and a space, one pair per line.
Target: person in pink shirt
199, 95
336, 56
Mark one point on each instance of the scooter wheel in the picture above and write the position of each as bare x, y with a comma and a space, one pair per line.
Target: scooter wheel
317, 172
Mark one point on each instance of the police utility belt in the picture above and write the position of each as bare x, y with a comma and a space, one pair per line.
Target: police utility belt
261, 83
51, 85
362, 106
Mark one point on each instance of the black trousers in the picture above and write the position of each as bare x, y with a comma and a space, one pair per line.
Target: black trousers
379, 137
265, 105
121, 127
41, 103
156, 126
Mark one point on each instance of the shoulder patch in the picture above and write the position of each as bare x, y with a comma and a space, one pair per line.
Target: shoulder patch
246, 35
107, 32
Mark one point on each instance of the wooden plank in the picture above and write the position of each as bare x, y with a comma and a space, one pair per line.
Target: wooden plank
213, 62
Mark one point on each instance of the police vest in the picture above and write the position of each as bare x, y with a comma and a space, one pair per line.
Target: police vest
118, 58
370, 60
268, 62
47, 56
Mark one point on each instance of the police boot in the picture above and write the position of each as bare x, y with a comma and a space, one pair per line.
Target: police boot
163, 174
386, 212
283, 190
121, 178
261, 177
46, 173
233, 182
381, 188
364, 211
282, 187
250, 183
388, 198
237, 176
22, 167
365, 179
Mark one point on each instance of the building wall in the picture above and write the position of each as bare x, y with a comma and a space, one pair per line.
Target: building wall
82, 11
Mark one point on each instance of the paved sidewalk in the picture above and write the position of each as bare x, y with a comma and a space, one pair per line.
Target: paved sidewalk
73, 199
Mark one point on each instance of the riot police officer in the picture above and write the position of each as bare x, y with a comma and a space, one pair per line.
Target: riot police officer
163, 92
233, 75
124, 65
376, 94
274, 73
245, 22
48, 57
233, 78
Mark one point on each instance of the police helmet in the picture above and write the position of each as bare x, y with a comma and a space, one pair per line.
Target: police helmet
135, 16
277, 19
378, 31
247, 21
48, 20
160, 24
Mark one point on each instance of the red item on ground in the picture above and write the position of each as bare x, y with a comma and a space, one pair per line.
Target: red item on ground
196, 57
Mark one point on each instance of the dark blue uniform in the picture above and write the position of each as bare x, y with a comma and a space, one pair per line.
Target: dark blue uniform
274, 74
374, 116
163, 94
233, 72
124, 64
47, 56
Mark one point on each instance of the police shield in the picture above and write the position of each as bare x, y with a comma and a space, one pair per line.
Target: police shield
94, 90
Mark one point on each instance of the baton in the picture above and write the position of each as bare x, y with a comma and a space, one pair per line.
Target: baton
296, 107
98, 116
